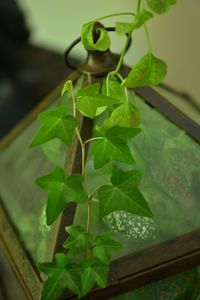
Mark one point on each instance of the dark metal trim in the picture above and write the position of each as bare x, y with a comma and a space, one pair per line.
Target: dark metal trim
185, 96
151, 264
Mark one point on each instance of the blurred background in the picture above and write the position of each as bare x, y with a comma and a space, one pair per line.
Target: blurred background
175, 35
35, 34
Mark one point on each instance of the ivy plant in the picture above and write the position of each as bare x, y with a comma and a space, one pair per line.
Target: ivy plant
85, 260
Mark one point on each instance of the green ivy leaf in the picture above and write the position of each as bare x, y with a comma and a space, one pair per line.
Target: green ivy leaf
113, 146
67, 87
103, 42
150, 70
123, 28
160, 6
61, 189
105, 246
60, 277
143, 16
115, 89
125, 115
88, 105
78, 238
123, 194
89, 90
121, 134
93, 271
55, 124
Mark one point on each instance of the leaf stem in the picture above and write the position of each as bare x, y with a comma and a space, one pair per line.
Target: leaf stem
139, 6
89, 201
126, 93
120, 62
148, 38
82, 151
119, 76
78, 134
73, 101
119, 65
94, 192
107, 82
89, 214
93, 139
115, 15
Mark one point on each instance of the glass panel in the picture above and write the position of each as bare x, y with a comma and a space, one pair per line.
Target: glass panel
183, 286
23, 200
189, 107
170, 160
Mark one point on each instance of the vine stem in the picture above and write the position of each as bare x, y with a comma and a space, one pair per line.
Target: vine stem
89, 214
148, 38
120, 62
78, 134
119, 65
82, 151
89, 201
73, 101
107, 82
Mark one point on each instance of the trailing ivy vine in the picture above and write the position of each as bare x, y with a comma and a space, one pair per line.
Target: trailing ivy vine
86, 261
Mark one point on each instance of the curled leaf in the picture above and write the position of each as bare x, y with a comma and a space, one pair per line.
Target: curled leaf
103, 42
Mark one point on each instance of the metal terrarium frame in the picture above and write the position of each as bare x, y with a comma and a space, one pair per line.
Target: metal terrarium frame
131, 271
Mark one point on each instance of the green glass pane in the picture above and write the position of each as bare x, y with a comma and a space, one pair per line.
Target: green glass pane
183, 286
189, 107
170, 159
23, 200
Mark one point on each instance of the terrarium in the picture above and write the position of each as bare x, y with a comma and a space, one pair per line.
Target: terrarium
161, 254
